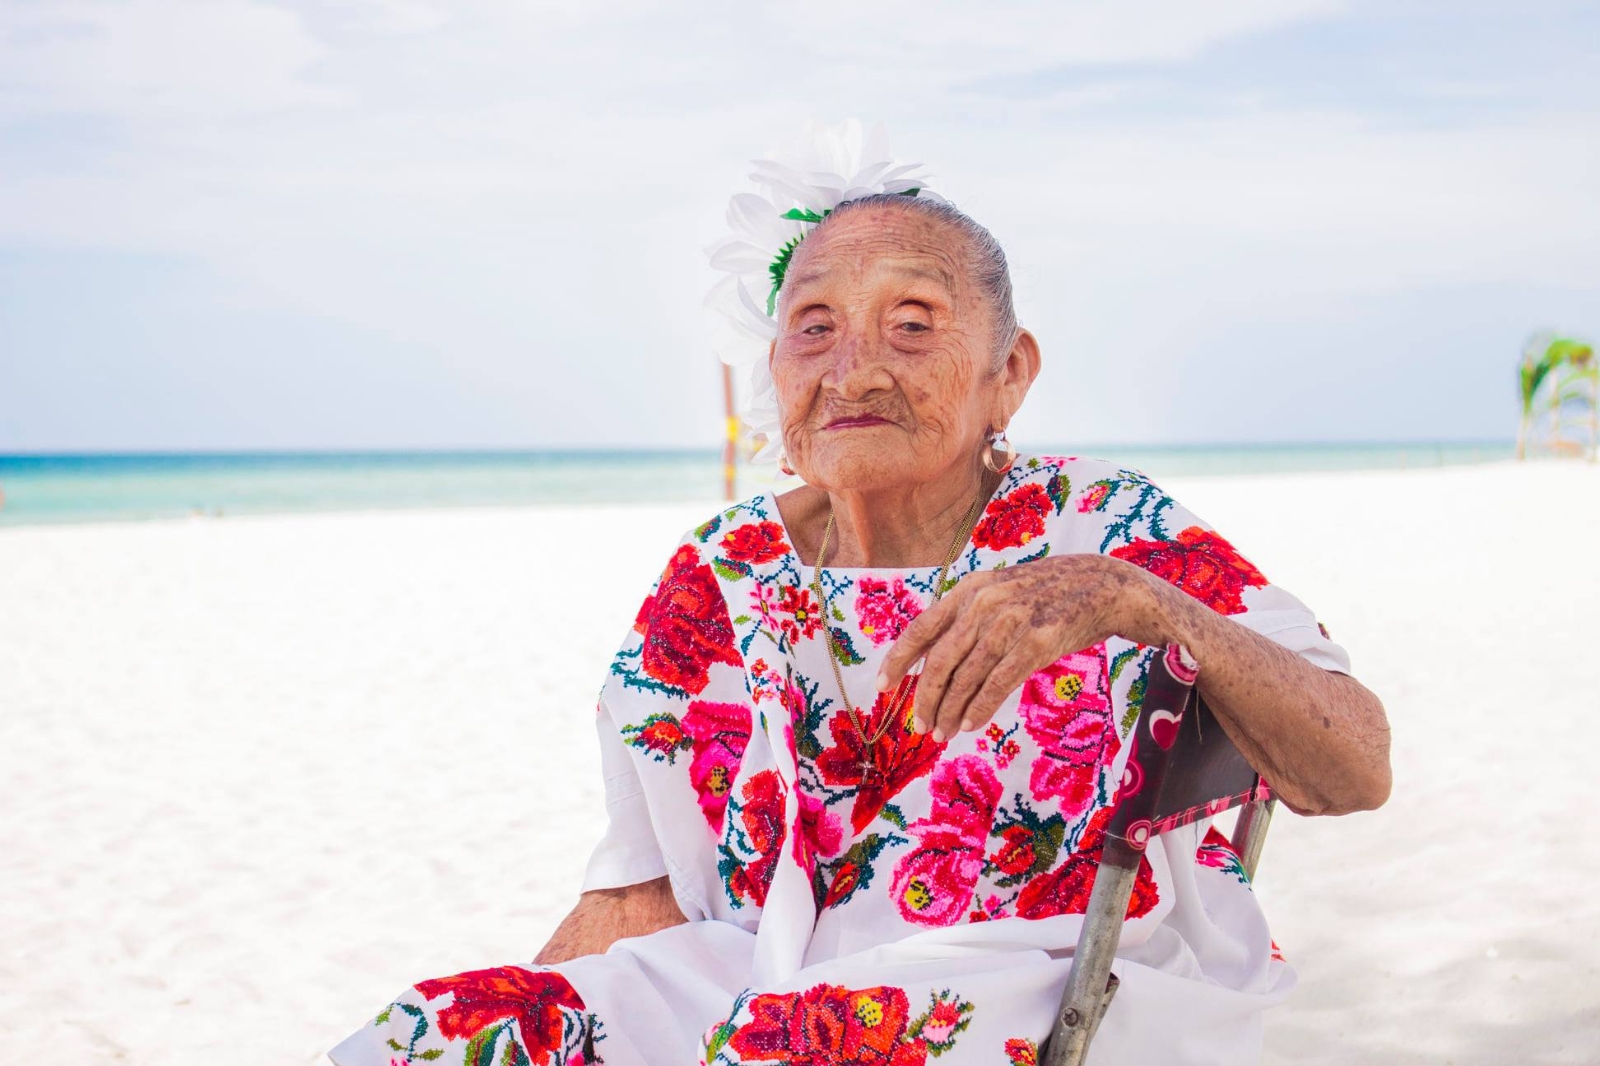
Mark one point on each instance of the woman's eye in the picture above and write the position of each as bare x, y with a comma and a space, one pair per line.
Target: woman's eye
816, 330
914, 327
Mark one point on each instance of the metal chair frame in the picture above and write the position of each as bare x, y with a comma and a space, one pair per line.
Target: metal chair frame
1090, 984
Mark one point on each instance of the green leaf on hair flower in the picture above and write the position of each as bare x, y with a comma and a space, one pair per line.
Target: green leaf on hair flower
779, 267
803, 214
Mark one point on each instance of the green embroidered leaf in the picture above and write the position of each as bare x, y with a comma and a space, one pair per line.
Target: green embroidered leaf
396, 1045
1040, 554
722, 1034
843, 649
1120, 660
703, 533
1058, 489
514, 1055
838, 615
384, 1017
892, 813
725, 570
480, 1049
431, 1054
741, 620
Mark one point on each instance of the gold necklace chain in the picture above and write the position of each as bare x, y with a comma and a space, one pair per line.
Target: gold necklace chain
892, 713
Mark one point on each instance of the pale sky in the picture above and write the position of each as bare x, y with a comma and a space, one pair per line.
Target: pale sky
239, 224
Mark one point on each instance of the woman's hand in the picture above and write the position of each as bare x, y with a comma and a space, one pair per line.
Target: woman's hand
1320, 737
994, 629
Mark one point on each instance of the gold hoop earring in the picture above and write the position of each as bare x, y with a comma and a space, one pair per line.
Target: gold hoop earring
999, 441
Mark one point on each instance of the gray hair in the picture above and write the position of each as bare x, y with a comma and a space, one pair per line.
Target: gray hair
988, 259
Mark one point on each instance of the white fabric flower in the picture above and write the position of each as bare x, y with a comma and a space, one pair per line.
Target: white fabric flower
796, 189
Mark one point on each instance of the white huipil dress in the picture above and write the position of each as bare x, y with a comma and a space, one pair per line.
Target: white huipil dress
914, 901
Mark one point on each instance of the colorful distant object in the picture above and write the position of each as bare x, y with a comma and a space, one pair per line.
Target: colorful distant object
1556, 375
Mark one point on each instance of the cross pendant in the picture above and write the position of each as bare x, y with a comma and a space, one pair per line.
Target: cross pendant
868, 771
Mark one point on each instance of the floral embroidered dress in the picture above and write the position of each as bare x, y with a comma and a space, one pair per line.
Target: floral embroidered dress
891, 904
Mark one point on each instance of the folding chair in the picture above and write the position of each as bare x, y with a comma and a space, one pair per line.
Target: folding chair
1182, 768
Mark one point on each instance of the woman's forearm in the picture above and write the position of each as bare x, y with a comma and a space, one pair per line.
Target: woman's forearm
1321, 739
604, 916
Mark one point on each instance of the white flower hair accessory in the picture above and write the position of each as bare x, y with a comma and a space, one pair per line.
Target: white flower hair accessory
797, 189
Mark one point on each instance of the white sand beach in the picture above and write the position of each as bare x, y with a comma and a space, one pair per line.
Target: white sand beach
262, 773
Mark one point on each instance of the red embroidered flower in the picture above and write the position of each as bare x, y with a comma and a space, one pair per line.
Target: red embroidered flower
1016, 854
660, 734
1014, 519
685, 625
1200, 563
535, 999
884, 609
754, 542
830, 1025
898, 758
718, 734
1066, 889
761, 814
1022, 1051
845, 879
805, 616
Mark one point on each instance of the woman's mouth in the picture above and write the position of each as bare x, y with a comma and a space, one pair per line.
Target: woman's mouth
856, 422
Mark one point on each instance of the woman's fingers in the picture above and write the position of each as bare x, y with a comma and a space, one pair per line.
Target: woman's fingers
986, 655
1005, 678
941, 661
914, 641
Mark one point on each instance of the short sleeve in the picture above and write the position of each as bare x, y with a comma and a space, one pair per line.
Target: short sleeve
1284, 620
629, 852
1152, 530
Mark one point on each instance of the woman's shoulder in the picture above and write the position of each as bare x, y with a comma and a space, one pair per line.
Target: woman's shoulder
1075, 503
748, 531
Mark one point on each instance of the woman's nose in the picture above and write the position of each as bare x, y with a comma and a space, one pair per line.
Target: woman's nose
857, 366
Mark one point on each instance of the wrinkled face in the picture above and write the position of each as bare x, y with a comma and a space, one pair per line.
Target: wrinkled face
884, 360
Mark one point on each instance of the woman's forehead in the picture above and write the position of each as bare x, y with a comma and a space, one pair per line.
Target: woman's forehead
879, 246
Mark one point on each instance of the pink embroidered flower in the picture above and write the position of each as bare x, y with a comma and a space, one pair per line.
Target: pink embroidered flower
933, 884
885, 608
1066, 708
942, 1022
820, 833
1094, 497
965, 792
718, 734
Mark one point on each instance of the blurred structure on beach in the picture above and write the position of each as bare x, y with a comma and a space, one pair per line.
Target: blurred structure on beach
1558, 375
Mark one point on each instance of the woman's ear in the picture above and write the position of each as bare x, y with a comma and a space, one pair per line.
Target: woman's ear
1017, 373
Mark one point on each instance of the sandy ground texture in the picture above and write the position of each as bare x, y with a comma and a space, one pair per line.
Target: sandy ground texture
260, 774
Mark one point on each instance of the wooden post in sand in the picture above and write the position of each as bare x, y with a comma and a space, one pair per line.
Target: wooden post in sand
730, 441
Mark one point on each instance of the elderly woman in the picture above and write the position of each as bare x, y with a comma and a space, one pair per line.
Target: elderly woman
818, 854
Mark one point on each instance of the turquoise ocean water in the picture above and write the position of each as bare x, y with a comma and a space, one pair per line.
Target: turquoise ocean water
79, 488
